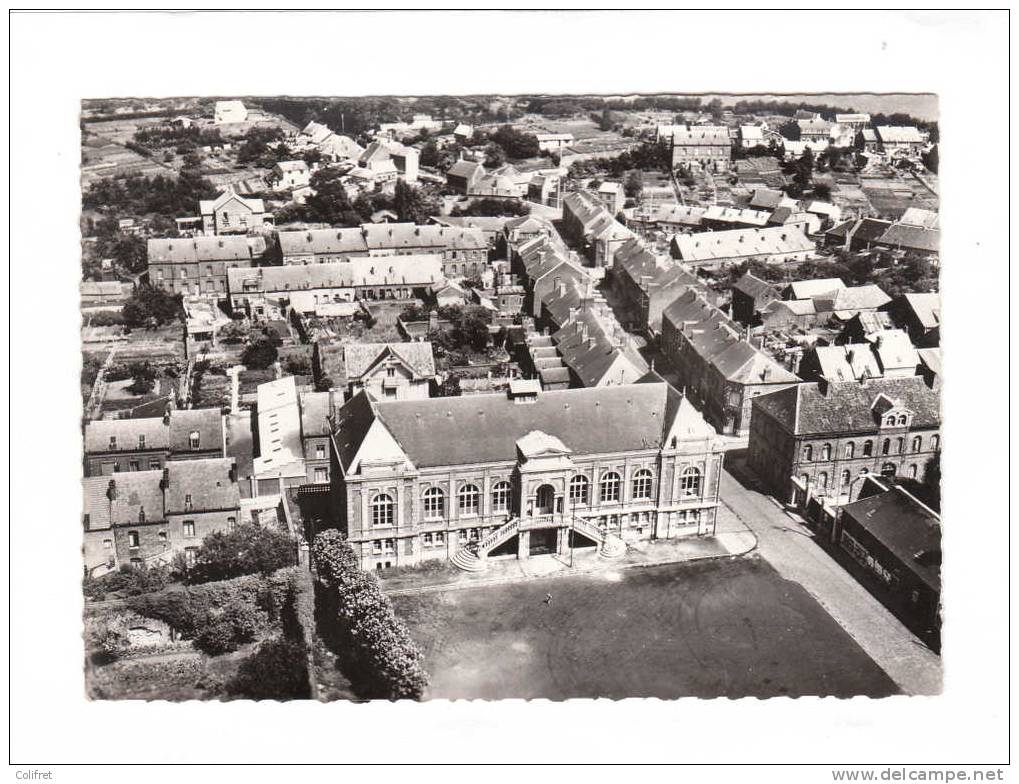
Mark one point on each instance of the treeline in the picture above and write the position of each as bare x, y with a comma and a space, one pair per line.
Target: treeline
164, 195
647, 156
178, 136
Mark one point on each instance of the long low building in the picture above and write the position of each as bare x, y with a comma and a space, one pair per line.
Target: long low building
470, 478
719, 248
307, 288
464, 251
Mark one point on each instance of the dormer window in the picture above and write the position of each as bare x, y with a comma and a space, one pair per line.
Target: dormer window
890, 420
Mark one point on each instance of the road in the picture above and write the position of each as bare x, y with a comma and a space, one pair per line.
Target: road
789, 547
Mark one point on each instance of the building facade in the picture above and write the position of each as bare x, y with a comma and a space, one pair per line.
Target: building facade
537, 475
816, 440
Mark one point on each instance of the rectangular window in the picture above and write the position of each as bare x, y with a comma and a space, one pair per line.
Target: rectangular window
187, 500
132, 538
141, 442
107, 544
321, 475
320, 451
189, 529
195, 439
154, 465
427, 538
190, 555
377, 547
113, 442
231, 523
440, 538
162, 536
134, 465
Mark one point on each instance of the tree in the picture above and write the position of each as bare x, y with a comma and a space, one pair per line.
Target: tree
277, 670
143, 378
633, 186
151, 307
411, 204
248, 549
330, 203
606, 121
492, 208
429, 155
495, 155
259, 354
930, 159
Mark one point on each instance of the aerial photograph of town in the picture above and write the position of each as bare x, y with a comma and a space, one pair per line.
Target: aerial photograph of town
511, 396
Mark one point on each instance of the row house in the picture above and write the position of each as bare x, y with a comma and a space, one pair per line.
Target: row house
816, 440
716, 249
311, 289
707, 147
115, 446
537, 473
649, 283
199, 265
149, 517
717, 366
588, 226
464, 251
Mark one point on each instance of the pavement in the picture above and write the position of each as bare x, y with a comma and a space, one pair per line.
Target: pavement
788, 545
732, 538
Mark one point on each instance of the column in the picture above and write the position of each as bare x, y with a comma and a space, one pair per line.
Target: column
524, 545
562, 545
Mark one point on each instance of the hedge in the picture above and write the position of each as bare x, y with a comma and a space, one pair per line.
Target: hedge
358, 621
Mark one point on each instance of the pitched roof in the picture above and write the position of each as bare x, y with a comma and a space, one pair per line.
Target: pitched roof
314, 414
207, 422
915, 216
359, 358
189, 250
894, 350
847, 301
209, 483
209, 206
805, 289
756, 288
465, 169
852, 118
907, 528
594, 347
419, 269
850, 362
431, 431
134, 490
901, 235
700, 136
926, 307
870, 229
736, 243
848, 407
899, 134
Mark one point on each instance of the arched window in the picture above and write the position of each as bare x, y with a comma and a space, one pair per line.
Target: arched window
805, 479
902, 419
890, 420
642, 485
888, 469
822, 480
608, 489
468, 500
826, 452
868, 448
382, 509
690, 481
434, 503
900, 444
808, 453
917, 443
886, 446
846, 479
912, 471
850, 449
501, 494
935, 440
579, 487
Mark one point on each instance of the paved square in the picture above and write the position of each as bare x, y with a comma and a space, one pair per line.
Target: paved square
709, 629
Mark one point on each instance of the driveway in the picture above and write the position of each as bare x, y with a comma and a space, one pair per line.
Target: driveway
789, 547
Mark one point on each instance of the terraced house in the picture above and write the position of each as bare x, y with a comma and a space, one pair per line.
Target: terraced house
198, 265
539, 473
819, 439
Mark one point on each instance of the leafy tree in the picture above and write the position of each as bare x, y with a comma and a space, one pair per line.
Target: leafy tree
248, 549
413, 312
495, 155
633, 186
151, 307
259, 354
297, 365
492, 208
143, 378
411, 204
330, 203
516, 144
606, 120
790, 131
429, 155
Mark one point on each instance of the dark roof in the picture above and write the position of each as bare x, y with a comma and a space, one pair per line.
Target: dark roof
841, 230
433, 431
353, 421
907, 528
207, 421
848, 406
208, 482
314, 414
135, 490
755, 287
901, 235
870, 229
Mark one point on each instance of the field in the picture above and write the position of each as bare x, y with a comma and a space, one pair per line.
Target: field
719, 629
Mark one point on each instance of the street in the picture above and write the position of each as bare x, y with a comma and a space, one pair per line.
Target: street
789, 547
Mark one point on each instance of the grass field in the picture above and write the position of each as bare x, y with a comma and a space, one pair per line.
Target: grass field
718, 629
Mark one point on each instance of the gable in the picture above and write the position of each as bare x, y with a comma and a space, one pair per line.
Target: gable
378, 446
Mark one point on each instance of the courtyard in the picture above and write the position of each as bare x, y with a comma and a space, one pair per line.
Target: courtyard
731, 628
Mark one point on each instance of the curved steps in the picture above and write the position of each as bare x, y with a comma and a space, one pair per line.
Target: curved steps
468, 561
612, 547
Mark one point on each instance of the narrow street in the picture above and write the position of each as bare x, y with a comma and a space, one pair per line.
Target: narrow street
789, 547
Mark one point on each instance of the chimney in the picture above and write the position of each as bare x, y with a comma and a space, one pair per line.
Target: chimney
166, 415
232, 473
332, 402
111, 490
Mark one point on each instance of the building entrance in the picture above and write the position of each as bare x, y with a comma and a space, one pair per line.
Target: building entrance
544, 503
543, 541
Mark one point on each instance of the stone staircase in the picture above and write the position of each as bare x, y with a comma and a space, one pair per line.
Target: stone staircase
473, 557
609, 545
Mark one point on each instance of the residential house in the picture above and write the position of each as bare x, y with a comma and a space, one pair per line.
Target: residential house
463, 175
702, 146
554, 142
919, 315
817, 439
231, 214
389, 371
750, 295
854, 121
649, 283
715, 249
288, 175
592, 228
612, 196
901, 140
230, 112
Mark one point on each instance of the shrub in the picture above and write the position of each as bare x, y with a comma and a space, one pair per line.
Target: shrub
358, 619
129, 581
248, 549
277, 670
260, 354
216, 638
105, 640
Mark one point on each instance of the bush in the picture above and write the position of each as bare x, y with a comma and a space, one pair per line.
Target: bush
359, 622
277, 670
105, 640
248, 549
260, 354
129, 581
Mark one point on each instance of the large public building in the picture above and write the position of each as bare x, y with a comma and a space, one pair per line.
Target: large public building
468, 479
